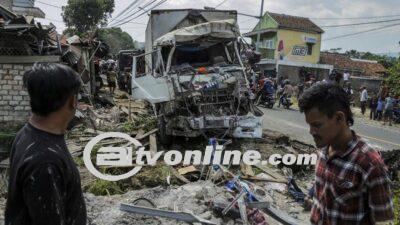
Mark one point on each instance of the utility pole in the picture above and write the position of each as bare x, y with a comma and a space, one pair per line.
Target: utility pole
258, 32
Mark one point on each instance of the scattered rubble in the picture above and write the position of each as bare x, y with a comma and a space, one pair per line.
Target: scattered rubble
230, 195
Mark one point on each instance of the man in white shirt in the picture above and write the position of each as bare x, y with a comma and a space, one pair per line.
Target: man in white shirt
346, 77
363, 99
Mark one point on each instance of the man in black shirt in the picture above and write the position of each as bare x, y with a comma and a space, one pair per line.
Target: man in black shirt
44, 183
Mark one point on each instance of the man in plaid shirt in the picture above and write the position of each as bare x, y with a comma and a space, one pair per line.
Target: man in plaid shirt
351, 181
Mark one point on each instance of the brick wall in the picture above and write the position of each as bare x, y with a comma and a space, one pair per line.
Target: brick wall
14, 100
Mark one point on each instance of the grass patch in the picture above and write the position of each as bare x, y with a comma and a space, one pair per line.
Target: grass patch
396, 204
145, 122
79, 161
103, 187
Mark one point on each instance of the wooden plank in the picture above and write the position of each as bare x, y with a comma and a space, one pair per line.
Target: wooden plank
270, 172
178, 176
153, 144
140, 137
246, 169
185, 170
262, 179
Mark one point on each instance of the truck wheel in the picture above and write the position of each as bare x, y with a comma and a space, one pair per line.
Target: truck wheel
163, 138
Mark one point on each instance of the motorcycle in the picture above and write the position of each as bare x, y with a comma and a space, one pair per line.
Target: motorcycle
266, 99
286, 102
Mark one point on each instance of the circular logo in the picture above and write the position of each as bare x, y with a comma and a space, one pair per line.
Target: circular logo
89, 164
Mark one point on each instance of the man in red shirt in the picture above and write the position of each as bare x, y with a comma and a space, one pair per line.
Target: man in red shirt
351, 181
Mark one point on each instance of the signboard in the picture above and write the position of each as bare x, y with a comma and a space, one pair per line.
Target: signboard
310, 40
299, 50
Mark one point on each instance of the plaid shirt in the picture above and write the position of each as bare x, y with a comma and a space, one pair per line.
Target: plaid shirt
351, 187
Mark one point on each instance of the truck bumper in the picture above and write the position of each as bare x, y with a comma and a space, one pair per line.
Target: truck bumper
241, 126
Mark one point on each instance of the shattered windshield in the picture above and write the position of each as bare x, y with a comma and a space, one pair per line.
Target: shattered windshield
202, 54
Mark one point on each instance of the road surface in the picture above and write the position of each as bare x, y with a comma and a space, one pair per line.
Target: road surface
292, 123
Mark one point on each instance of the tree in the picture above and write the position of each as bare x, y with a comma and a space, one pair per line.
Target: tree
84, 16
116, 38
394, 78
386, 61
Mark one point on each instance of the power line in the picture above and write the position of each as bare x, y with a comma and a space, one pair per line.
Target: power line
248, 15
132, 14
221, 3
133, 27
244, 21
130, 7
365, 23
361, 32
44, 3
354, 18
159, 3
144, 12
138, 23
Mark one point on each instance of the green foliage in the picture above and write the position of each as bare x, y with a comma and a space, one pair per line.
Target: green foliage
394, 78
116, 38
79, 161
145, 122
386, 61
103, 187
83, 16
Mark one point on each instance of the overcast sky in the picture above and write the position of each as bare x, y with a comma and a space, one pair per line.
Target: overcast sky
379, 41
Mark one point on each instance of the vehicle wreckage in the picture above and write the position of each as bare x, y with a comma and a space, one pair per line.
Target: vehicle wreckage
193, 75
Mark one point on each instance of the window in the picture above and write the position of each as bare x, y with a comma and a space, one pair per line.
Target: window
268, 44
309, 48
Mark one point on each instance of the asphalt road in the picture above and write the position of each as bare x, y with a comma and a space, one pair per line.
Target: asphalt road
292, 123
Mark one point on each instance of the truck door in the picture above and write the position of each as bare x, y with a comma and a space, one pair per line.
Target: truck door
149, 81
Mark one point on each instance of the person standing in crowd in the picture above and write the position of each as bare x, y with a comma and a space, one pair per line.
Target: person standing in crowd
349, 90
346, 77
111, 79
338, 77
44, 186
379, 108
388, 115
372, 106
128, 80
352, 184
363, 99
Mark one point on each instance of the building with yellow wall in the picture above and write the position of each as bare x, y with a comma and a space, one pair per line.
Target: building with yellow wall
288, 43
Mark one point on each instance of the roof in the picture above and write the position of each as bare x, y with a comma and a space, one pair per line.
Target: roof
344, 62
221, 29
295, 22
264, 31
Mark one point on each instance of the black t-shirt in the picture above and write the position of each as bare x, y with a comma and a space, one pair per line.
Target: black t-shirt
44, 183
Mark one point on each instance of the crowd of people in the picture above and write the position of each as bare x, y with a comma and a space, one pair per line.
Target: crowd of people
116, 76
383, 105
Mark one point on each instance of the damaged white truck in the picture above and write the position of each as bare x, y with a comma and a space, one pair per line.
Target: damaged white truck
193, 75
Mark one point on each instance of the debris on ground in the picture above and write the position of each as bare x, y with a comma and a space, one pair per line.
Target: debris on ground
259, 194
